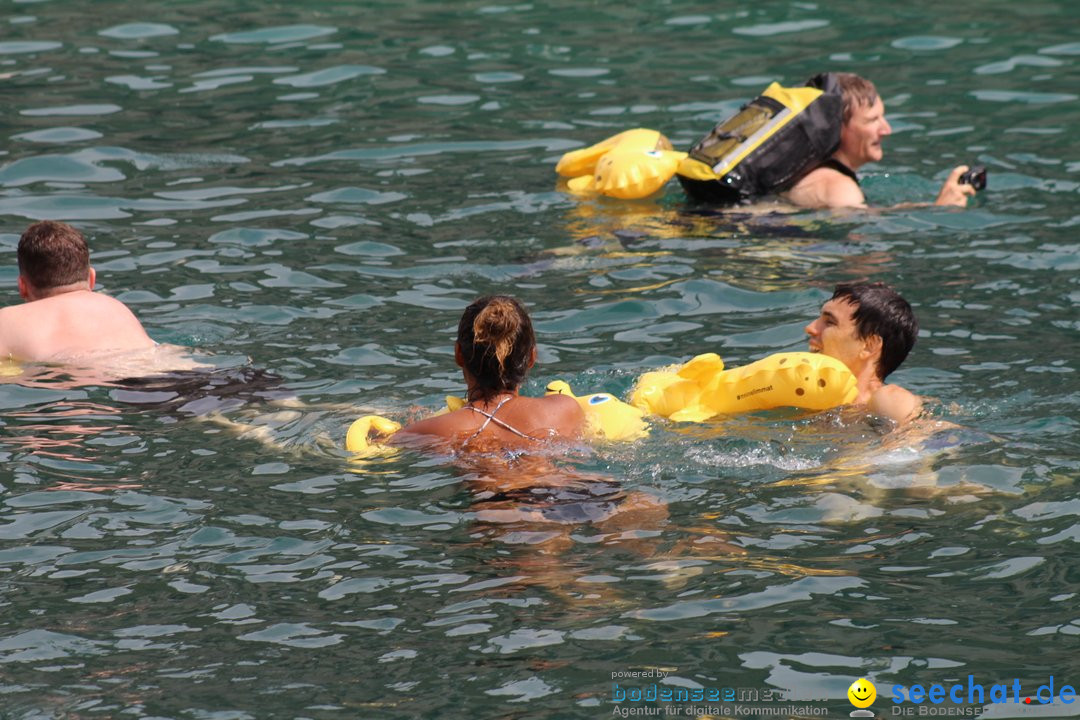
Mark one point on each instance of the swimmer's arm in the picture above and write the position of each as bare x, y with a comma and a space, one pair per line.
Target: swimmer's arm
7, 348
432, 427
952, 193
895, 403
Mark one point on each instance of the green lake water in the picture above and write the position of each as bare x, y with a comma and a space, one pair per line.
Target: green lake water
308, 194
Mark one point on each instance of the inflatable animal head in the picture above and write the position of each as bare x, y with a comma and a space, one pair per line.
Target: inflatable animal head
633, 164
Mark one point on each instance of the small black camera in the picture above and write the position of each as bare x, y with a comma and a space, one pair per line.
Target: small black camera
975, 177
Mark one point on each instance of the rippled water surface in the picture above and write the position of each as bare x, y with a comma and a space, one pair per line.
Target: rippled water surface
309, 193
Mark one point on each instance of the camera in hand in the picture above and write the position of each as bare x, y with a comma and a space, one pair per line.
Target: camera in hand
975, 177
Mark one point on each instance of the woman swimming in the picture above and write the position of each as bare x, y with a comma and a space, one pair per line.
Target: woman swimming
495, 349
498, 439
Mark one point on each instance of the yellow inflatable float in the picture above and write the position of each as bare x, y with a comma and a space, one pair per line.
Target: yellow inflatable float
696, 391
366, 435
764, 148
633, 164
606, 418
702, 388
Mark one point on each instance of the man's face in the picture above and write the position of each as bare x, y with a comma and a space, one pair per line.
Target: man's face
833, 334
861, 136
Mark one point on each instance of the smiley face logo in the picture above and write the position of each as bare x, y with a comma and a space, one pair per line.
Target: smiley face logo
862, 693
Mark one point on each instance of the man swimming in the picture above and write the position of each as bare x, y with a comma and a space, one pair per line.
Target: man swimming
871, 329
834, 184
62, 318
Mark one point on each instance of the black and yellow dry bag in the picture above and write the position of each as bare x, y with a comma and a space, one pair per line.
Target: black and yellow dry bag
768, 145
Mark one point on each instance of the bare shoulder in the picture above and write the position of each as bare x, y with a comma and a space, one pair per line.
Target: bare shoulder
558, 413
12, 311
825, 187
18, 324
895, 403
98, 300
566, 414
563, 405
109, 309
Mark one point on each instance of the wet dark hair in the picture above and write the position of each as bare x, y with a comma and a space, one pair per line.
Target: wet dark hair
879, 310
856, 91
496, 339
53, 254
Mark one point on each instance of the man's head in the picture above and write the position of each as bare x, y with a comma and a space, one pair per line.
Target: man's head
864, 121
52, 256
865, 323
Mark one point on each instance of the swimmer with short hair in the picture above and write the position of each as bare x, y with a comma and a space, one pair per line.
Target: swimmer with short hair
833, 184
495, 349
871, 329
62, 317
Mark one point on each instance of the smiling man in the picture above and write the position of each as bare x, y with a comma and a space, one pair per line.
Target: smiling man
834, 183
871, 329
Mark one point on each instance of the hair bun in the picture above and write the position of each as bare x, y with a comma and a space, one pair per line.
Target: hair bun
497, 325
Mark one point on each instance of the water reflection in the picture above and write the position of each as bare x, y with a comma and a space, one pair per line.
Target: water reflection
542, 507
61, 431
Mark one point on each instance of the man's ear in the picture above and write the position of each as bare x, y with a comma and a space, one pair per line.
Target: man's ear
91, 278
872, 345
24, 288
532, 357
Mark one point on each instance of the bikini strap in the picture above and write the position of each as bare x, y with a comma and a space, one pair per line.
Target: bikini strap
490, 418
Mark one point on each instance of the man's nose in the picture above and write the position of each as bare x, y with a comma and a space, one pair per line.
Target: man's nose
809, 329
886, 128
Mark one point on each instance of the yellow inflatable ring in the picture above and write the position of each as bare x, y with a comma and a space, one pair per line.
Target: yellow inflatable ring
365, 435
606, 417
633, 164
702, 388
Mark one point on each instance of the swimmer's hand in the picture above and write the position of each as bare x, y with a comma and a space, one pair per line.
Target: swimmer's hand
953, 192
